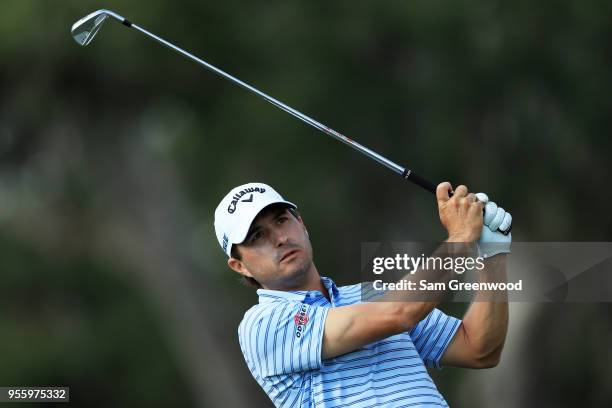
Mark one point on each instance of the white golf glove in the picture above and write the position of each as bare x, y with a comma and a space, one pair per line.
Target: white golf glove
493, 242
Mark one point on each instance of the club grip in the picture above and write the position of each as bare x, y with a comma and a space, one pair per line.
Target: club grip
416, 179
429, 186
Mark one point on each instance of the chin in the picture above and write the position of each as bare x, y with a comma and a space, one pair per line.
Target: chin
298, 268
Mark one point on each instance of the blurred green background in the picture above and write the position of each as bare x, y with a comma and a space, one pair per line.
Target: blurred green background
113, 158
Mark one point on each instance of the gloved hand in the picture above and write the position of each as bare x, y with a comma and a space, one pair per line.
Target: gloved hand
493, 242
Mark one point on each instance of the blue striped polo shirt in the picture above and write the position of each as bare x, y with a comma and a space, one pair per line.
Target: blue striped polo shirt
281, 339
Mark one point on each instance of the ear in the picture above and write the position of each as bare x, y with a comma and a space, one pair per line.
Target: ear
239, 267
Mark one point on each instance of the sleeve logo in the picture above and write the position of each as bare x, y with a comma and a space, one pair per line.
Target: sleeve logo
300, 319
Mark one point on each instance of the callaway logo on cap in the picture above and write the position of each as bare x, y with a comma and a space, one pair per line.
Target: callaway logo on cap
238, 209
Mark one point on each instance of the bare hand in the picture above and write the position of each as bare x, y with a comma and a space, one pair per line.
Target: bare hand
460, 214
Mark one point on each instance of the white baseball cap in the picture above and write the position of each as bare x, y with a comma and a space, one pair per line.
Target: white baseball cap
238, 209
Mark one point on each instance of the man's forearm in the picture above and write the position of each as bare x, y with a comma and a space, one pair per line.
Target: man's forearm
418, 304
486, 321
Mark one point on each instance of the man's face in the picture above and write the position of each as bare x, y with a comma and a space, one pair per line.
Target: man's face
276, 252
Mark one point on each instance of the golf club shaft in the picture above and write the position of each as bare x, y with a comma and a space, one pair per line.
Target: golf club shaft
404, 172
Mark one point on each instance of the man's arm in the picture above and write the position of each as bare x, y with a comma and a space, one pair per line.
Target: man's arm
349, 328
479, 340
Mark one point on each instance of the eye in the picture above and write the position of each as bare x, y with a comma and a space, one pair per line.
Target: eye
282, 219
256, 236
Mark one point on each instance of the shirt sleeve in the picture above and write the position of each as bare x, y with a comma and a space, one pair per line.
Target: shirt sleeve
432, 336
283, 338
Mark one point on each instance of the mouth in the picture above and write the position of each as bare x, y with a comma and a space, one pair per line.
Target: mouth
288, 255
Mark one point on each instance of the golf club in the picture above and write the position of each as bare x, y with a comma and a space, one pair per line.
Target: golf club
85, 29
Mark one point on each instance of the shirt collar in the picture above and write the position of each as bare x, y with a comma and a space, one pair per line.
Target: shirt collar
267, 295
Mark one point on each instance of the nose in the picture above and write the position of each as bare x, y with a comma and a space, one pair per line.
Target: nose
280, 238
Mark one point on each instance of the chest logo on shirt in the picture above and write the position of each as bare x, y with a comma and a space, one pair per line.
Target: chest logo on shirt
300, 319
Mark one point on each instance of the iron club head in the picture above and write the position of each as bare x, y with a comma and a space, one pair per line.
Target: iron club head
84, 30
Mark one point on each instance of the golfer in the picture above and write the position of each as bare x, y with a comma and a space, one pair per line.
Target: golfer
310, 343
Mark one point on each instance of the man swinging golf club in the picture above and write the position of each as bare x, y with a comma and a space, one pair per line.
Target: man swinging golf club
310, 343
